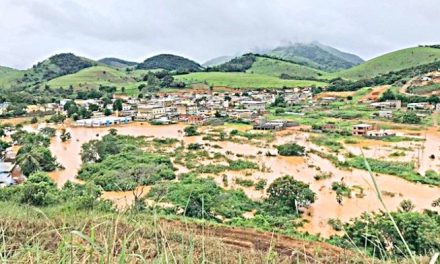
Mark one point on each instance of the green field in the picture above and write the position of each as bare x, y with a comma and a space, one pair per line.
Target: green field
275, 68
8, 75
243, 80
393, 61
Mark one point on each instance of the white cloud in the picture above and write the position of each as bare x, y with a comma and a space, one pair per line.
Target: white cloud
32, 30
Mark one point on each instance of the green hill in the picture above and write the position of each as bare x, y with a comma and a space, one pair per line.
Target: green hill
93, 77
274, 67
169, 62
243, 80
117, 63
394, 61
8, 75
317, 56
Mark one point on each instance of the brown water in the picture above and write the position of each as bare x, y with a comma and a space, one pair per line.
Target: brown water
302, 168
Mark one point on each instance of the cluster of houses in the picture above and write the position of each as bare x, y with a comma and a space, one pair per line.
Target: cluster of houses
386, 108
193, 107
10, 171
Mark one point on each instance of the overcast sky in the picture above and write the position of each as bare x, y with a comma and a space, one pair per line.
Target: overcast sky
32, 30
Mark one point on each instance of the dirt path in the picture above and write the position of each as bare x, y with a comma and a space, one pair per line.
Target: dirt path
248, 239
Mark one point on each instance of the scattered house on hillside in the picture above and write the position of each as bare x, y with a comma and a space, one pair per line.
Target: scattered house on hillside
254, 105
426, 79
361, 129
262, 124
4, 108
10, 173
378, 134
328, 127
419, 106
327, 100
389, 104
437, 107
122, 96
103, 121
383, 114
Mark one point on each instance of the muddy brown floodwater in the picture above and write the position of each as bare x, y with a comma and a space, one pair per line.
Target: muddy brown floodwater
302, 168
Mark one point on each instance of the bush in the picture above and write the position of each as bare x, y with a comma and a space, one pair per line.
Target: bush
291, 149
376, 233
286, 194
202, 198
38, 190
190, 131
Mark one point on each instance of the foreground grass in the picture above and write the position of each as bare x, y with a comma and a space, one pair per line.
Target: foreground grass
243, 80
60, 235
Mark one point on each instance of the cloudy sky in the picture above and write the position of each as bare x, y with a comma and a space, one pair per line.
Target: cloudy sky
32, 30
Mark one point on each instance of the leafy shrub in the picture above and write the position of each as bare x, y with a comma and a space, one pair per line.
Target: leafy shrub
286, 194
291, 149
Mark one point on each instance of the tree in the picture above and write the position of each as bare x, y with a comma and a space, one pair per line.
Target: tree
288, 194
410, 118
107, 112
388, 95
35, 158
117, 105
34, 120
190, 131
407, 206
113, 131
279, 101
291, 149
38, 190
65, 135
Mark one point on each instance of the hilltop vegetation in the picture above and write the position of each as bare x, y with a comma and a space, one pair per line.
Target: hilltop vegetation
283, 69
55, 66
117, 63
169, 62
392, 62
316, 56
243, 80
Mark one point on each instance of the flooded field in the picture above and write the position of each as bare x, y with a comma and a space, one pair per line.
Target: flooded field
302, 168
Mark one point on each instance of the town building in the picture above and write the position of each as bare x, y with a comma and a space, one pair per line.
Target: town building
102, 121
254, 105
361, 129
150, 112
10, 173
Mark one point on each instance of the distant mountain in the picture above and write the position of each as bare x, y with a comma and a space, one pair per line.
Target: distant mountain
317, 56
268, 65
217, 61
117, 63
169, 62
51, 68
392, 62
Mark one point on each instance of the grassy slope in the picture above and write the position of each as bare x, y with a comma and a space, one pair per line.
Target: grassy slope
62, 235
8, 75
393, 61
99, 75
275, 67
243, 80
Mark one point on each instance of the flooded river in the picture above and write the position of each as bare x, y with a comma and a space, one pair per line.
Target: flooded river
301, 168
